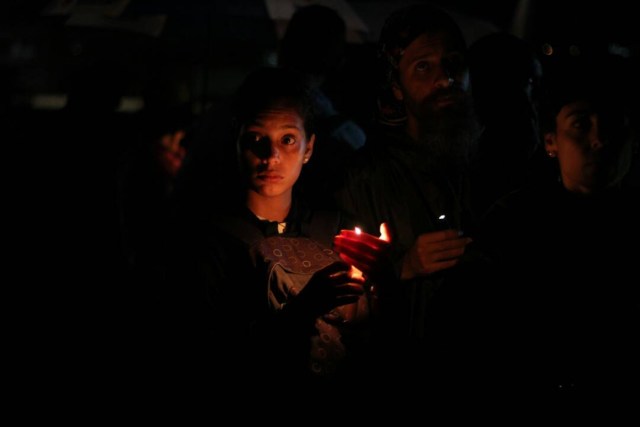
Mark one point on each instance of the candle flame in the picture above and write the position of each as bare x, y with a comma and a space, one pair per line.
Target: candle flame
355, 273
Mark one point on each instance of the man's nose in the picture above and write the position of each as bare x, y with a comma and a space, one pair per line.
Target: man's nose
596, 143
597, 138
445, 80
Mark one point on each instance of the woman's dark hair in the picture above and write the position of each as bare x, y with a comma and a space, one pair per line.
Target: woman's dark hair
267, 87
501, 66
602, 79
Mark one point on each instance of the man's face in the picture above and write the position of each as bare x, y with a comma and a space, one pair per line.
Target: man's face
432, 77
433, 85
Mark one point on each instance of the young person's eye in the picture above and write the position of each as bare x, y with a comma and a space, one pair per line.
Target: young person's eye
288, 140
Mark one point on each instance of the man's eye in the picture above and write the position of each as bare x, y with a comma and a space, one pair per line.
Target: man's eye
288, 140
422, 66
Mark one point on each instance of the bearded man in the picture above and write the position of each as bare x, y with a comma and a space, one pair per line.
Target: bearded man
411, 173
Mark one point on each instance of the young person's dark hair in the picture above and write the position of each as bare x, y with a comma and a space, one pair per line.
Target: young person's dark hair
267, 86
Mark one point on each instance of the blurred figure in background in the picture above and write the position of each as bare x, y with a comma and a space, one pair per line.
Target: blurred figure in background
315, 45
149, 167
148, 171
505, 78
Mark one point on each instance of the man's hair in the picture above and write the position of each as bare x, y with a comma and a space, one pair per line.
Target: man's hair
404, 25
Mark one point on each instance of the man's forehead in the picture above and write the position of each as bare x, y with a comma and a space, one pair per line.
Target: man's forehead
429, 44
431, 41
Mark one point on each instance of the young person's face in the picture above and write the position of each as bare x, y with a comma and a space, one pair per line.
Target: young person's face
273, 147
592, 145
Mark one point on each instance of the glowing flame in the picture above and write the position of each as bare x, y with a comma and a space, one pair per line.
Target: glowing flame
355, 273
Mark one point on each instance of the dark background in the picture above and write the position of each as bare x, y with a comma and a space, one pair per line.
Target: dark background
67, 241
206, 47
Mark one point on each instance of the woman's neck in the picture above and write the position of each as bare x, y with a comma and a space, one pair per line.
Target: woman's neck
271, 208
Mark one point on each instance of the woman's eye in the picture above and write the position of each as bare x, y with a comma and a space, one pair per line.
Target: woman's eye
288, 140
582, 123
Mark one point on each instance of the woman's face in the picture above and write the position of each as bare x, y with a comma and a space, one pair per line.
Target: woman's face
273, 147
593, 146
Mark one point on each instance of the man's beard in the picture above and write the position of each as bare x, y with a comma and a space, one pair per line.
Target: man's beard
450, 132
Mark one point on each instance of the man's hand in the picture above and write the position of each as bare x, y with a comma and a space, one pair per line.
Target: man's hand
433, 252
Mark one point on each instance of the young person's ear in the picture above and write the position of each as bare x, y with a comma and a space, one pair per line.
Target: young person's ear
309, 150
